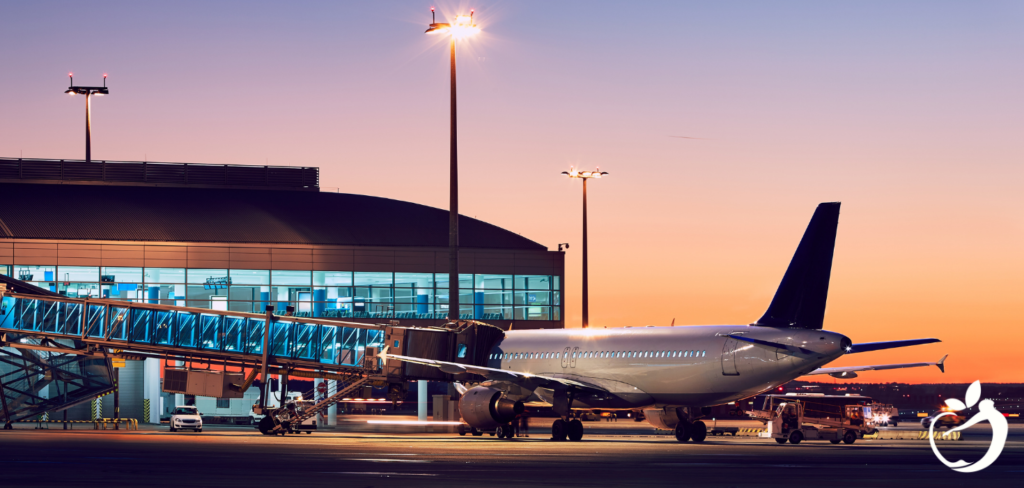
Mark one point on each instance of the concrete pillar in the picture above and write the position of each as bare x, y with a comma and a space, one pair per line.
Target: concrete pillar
151, 389
332, 411
321, 417
421, 400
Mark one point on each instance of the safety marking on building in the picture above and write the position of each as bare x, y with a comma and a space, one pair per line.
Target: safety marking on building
145, 409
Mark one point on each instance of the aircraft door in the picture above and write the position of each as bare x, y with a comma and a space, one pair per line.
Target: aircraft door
565, 357
729, 357
572, 358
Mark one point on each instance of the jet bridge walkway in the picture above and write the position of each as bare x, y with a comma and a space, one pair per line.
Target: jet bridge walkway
45, 338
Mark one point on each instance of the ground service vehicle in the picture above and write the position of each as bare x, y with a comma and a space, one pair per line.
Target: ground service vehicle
945, 421
186, 417
795, 418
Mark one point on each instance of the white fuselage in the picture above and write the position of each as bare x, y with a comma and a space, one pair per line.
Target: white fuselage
664, 366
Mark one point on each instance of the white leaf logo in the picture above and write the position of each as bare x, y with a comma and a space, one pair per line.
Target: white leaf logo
973, 393
955, 404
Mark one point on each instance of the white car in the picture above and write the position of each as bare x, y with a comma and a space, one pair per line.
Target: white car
186, 417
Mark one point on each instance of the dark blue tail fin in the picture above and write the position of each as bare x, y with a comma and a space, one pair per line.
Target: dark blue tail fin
800, 300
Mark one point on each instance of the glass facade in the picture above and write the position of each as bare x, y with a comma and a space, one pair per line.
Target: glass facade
340, 294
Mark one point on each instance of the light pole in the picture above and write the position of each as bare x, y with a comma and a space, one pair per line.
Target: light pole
88, 91
585, 175
463, 27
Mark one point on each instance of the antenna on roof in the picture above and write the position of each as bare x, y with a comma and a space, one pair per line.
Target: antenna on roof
104, 80
72, 79
433, 20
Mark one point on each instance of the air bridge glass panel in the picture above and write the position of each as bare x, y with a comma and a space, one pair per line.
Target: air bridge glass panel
119, 322
210, 326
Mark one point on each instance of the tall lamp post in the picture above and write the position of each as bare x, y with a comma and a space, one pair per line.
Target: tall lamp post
462, 28
585, 175
88, 91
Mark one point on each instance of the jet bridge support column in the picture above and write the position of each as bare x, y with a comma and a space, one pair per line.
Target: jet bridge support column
151, 389
421, 400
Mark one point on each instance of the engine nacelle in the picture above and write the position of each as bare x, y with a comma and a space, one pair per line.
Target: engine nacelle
485, 408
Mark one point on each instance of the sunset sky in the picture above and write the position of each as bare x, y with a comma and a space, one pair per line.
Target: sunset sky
722, 125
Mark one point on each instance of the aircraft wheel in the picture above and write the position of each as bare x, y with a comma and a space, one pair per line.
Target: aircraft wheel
266, 425
476, 432
781, 440
575, 430
850, 437
462, 429
894, 424
683, 431
504, 431
698, 431
796, 437
558, 430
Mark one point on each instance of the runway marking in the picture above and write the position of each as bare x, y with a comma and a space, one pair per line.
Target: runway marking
378, 473
391, 460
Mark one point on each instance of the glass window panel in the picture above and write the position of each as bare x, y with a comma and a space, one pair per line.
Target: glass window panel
374, 279
73, 318
414, 280
79, 290
79, 273
249, 276
556, 298
493, 312
164, 275
493, 282
119, 322
332, 278
254, 336
187, 329
533, 298
41, 276
211, 332
234, 333
556, 282
213, 278
121, 275
248, 307
557, 311
533, 282
533, 313
441, 280
291, 278
5, 269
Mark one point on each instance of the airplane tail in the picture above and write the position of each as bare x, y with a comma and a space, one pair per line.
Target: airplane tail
800, 300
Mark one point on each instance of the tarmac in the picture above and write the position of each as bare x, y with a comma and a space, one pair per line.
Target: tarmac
622, 453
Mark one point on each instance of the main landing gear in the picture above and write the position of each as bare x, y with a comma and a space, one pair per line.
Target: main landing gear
568, 427
687, 431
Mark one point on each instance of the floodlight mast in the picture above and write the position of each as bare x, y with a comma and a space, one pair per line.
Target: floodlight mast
88, 91
462, 28
585, 175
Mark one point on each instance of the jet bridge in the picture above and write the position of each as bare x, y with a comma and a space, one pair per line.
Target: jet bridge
53, 338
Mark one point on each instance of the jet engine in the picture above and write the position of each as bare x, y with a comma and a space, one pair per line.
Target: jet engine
662, 418
487, 408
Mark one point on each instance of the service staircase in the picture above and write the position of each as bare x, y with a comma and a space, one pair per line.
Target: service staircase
322, 404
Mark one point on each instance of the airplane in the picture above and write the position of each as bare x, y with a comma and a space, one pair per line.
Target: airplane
673, 374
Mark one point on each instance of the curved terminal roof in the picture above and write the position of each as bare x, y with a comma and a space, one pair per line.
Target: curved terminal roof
181, 214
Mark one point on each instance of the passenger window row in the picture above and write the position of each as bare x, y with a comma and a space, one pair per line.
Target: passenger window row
600, 354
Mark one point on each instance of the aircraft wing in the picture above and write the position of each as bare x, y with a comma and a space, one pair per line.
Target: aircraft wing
526, 380
851, 371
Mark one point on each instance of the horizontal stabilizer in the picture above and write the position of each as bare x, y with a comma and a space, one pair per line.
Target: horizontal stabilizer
877, 346
851, 371
800, 299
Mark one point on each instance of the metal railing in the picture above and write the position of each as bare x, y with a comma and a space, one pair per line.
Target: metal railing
192, 332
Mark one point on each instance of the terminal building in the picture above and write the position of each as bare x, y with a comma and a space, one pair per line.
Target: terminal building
238, 238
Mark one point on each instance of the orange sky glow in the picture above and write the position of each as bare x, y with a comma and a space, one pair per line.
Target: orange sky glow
722, 127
